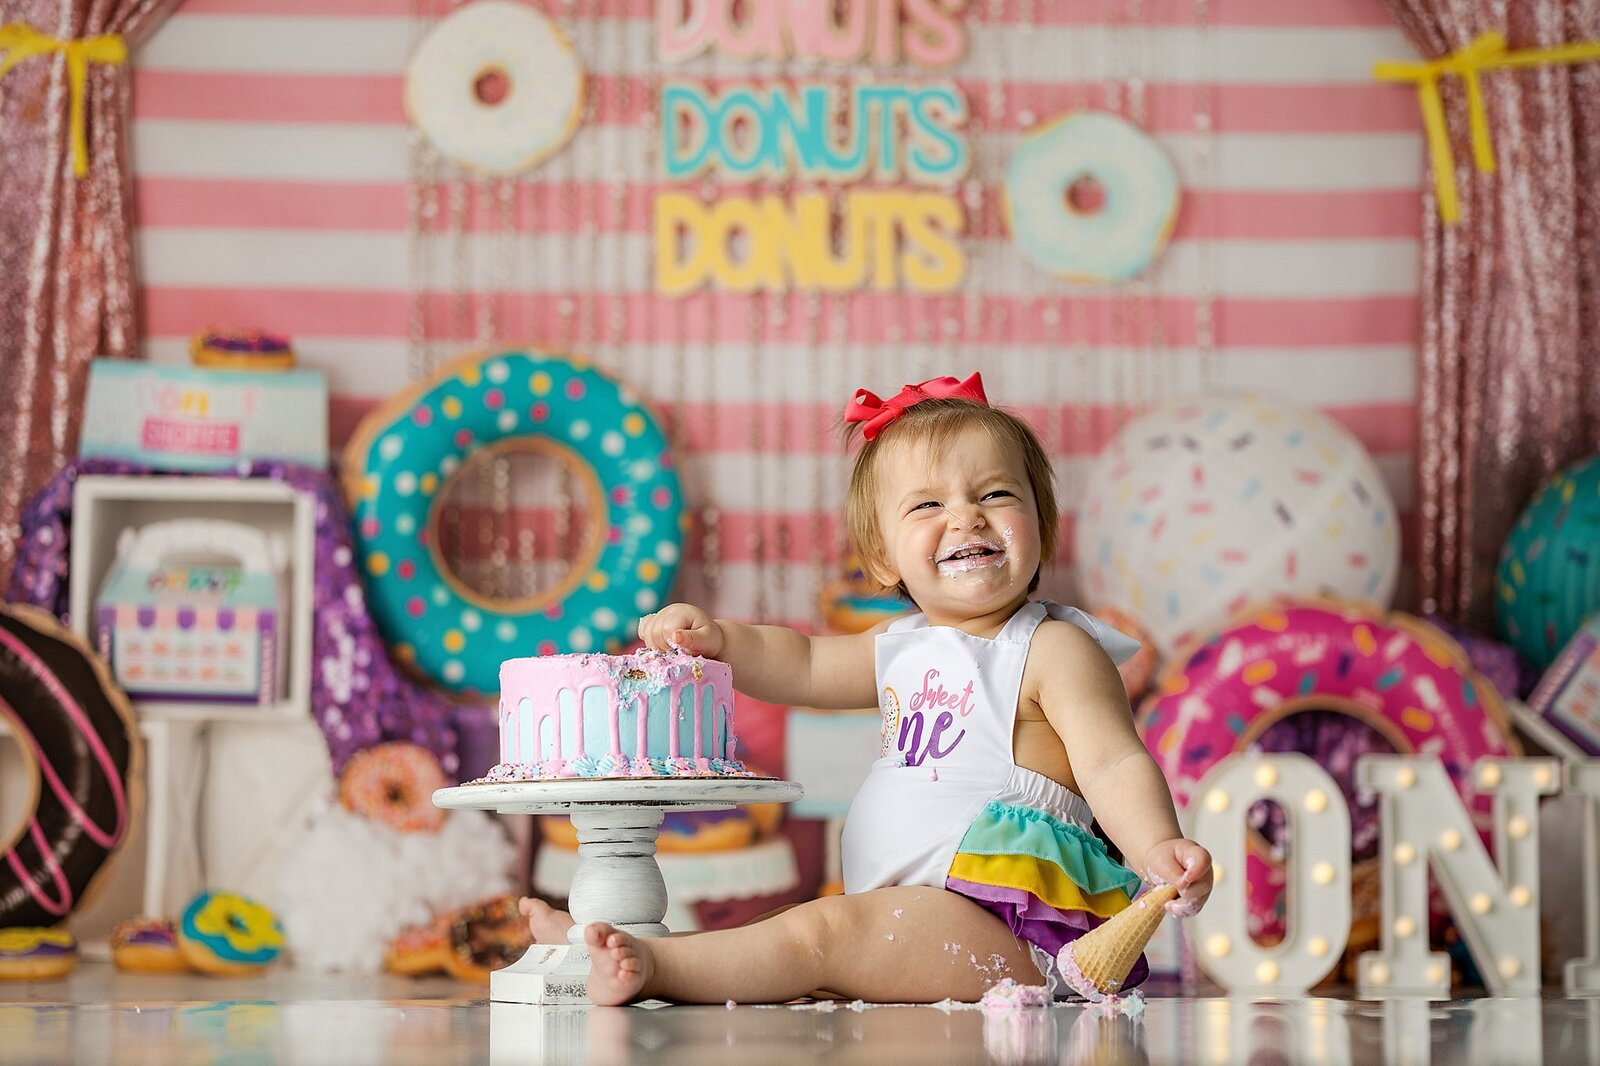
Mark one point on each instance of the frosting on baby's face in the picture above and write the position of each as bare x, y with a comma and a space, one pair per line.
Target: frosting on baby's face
960, 527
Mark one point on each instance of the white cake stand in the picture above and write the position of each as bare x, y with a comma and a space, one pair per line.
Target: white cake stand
617, 879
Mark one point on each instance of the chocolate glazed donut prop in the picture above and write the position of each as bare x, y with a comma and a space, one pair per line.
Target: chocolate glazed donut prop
79, 736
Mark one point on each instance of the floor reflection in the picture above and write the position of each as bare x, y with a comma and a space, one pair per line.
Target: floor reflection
1223, 1032
289, 1020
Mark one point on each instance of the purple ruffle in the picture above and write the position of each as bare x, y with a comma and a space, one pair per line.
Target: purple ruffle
358, 697
1034, 920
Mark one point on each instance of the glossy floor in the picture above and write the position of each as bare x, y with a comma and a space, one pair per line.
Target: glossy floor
101, 1016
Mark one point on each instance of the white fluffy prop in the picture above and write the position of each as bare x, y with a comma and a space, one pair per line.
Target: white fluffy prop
351, 884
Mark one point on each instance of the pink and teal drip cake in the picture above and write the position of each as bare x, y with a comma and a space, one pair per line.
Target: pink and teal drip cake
647, 715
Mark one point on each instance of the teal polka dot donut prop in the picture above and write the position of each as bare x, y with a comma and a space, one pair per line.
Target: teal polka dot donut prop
1548, 581
404, 454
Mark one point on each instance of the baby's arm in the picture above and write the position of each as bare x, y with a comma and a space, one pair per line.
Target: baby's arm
773, 663
1083, 697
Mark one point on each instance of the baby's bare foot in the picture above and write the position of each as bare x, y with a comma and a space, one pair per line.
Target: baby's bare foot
621, 964
548, 925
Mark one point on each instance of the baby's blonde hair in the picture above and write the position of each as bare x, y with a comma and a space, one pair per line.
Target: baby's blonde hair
938, 422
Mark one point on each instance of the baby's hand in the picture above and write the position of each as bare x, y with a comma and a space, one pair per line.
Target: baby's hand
682, 627
1184, 865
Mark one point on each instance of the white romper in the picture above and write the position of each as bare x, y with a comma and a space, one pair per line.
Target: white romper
946, 805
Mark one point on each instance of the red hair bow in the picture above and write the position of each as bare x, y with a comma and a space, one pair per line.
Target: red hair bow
867, 407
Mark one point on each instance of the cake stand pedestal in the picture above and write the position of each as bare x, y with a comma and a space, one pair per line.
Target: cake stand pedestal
617, 879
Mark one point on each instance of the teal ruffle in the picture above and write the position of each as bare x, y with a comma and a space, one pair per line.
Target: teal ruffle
1005, 829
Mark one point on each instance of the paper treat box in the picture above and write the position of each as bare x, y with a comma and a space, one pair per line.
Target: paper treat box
193, 609
1568, 695
185, 418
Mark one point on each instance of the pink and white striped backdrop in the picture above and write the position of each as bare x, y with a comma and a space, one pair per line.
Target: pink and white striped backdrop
275, 171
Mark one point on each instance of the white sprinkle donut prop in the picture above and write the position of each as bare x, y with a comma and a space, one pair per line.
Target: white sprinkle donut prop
79, 737
1050, 215
402, 455
1194, 511
495, 87
1399, 675
36, 954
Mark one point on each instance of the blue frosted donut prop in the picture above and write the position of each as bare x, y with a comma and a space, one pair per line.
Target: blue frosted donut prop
402, 456
1121, 238
228, 936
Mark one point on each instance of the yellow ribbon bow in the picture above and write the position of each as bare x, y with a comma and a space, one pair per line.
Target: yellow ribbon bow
1487, 52
20, 41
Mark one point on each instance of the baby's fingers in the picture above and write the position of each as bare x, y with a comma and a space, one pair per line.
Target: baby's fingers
700, 640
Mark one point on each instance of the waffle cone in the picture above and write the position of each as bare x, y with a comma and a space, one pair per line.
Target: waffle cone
1105, 955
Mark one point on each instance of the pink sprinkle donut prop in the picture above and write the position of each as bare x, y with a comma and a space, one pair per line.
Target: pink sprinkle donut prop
1197, 510
76, 731
394, 783
31, 954
1405, 679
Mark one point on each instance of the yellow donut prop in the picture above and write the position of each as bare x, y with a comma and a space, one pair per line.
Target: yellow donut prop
229, 936
31, 954
495, 87
1090, 197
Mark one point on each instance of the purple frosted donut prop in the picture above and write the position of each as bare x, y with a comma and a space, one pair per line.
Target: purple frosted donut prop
78, 734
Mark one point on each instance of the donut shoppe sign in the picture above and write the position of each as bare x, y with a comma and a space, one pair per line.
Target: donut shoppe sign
876, 160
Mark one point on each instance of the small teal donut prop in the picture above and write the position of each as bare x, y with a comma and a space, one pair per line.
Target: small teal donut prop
404, 453
1548, 580
1119, 240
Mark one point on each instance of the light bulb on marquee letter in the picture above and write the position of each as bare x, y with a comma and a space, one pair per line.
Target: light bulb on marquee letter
1425, 825
1318, 876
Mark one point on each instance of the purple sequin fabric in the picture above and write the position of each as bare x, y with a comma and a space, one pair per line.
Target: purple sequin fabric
358, 697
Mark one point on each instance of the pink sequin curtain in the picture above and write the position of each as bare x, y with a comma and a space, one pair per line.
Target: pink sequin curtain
67, 284
1508, 387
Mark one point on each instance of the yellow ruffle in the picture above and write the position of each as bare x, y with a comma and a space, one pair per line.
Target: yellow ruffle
1048, 882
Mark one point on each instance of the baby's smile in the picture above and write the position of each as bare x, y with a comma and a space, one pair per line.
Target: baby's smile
971, 555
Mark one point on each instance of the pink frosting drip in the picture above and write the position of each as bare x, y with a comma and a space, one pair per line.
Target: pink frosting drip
637, 676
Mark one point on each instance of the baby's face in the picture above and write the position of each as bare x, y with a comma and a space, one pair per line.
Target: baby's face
960, 526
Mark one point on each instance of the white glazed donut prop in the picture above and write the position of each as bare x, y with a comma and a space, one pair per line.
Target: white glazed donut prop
1114, 241
511, 46
1194, 511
